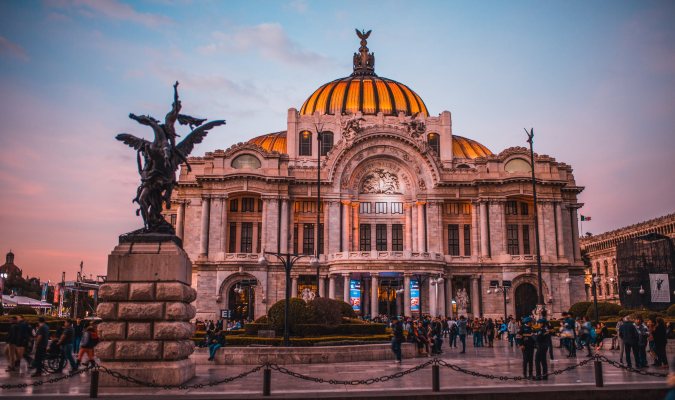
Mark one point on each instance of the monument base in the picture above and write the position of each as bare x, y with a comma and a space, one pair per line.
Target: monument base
156, 372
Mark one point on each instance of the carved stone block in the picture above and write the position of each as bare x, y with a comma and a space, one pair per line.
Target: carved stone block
138, 350
141, 291
107, 311
173, 330
141, 311
139, 331
112, 330
113, 291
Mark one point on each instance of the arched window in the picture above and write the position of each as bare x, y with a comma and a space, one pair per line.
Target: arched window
326, 142
305, 143
435, 142
246, 161
517, 165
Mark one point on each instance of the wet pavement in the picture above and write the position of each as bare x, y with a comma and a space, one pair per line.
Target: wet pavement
501, 360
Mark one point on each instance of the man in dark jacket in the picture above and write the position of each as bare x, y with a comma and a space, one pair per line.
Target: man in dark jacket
12, 341
41, 341
542, 338
66, 344
525, 341
397, 339
629, 335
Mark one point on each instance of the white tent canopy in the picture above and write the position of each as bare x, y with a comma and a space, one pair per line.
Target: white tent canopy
13, 301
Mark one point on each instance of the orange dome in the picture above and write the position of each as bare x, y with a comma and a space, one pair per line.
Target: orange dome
461, 146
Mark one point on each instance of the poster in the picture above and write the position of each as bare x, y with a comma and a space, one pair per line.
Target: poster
355, 294
660, 288
414, 295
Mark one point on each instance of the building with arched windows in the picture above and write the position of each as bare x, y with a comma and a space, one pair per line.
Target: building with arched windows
412, 215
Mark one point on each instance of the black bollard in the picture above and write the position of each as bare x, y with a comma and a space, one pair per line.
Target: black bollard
267, 381
598, 374
93, 389
435, 378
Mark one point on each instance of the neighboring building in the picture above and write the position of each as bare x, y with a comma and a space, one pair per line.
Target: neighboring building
13, 282
404, 202
601, 251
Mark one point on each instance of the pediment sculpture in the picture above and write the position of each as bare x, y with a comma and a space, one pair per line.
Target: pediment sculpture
381, 181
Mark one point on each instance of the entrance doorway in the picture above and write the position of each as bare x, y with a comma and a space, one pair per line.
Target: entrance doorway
241, 300
389, 298
526, 300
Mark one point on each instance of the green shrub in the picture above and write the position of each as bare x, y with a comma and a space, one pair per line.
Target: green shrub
604, 309
579, 309
346, 309
332, 340
262, 320
253, 328
644, 314
325, 311
313, 330
22, 310
671, 310
298, 313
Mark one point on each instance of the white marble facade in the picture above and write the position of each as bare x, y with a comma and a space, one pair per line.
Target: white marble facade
403, 199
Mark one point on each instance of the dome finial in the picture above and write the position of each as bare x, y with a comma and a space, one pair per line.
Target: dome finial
364, 61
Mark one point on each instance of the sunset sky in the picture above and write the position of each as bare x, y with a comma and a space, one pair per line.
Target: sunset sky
596, 80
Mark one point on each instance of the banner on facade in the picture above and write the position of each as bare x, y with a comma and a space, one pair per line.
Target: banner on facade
660, 288
45, 286
414, 295
355, 294
57, 292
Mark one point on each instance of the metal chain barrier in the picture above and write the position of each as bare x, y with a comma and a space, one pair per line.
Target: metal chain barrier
616, 364
129, 379
457, 368
50, 380
353, 382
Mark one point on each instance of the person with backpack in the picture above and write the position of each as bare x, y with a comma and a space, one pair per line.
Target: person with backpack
397, 339
643, 338
452, 324
87, 343
461, 332
629, 335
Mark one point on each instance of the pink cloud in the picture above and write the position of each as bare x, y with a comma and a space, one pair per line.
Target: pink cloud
12, 49
112, 9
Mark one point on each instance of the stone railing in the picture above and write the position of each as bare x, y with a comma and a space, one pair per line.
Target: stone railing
385, 256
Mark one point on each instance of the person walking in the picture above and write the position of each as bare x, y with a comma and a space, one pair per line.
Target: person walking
397, 339
643, 338
542, 336
452, 326
78, 331
12, 342
629, 335
25, 335
41, 341
660, 342
512, 328
66, 344
461, 332
87, 343
569, 333
436, 336
620, 341
526, 343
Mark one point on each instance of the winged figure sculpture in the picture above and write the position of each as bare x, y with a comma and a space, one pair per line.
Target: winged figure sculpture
158, 161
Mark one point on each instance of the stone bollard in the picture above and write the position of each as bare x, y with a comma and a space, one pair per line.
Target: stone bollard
145, 308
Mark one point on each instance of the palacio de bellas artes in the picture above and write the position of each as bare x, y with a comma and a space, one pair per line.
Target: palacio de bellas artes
405, 203
306, 199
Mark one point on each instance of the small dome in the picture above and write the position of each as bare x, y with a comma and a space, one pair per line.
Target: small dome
271, 142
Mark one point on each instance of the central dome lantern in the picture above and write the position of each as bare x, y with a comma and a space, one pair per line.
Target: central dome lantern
364, 91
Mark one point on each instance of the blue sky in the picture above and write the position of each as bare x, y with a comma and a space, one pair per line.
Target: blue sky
596, 79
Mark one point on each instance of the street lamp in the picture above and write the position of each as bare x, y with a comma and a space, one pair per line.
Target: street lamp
287, 259
504, 289
530, 140
594, 283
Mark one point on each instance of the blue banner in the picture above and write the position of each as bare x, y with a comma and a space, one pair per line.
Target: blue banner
355, 294
414, 295
45, 286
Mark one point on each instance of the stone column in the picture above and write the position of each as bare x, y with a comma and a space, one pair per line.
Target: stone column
322, 286
433, 298
440, 299
542, 230
223, 224
333, 224
345, 225
284, 226
294, 286
374, 306
204, 237
448, 296
145, 306
414, 230
575, 234
420, 226
484, 238
180, 219
331, 287
406, 294
407, 239
560, 238
345, 290
365, 297
264, 220
475, 296
355, 225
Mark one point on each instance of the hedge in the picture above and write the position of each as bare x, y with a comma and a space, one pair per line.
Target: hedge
22, 310
311, 341
298, 313
579, 309
604, 309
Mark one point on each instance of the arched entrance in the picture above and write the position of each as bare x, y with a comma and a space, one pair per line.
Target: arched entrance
526, 299
241, 299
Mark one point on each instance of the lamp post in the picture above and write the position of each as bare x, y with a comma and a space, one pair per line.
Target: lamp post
541, 306
504, 289
594, 291
287, 259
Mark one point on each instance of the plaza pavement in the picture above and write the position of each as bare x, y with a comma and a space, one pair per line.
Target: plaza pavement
500, 360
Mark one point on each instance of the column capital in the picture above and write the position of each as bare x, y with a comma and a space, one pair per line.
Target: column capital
268, 197
407, 205
407, 274
346, 274
420, 202
206, 196
345, 202
475, 277
355, 204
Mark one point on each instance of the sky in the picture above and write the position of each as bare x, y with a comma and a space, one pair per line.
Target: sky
596, 80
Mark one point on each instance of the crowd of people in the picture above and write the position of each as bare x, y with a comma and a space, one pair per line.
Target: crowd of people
69, 344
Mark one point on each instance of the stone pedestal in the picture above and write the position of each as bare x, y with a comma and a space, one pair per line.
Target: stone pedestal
145, 307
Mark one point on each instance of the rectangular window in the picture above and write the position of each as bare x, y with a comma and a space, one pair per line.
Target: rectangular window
232, 248
173, 220
307, 207
466, 208
526, 239
295, 239
259, 238
320, 238
307, 238
467, 240
260, 205
397, 208
397, 237
381, 237
364, 237
524, 209
512, 239
511, 208
234, 205
453, 239
364, 208
247, 204
380, 208
246, 237
452, 208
